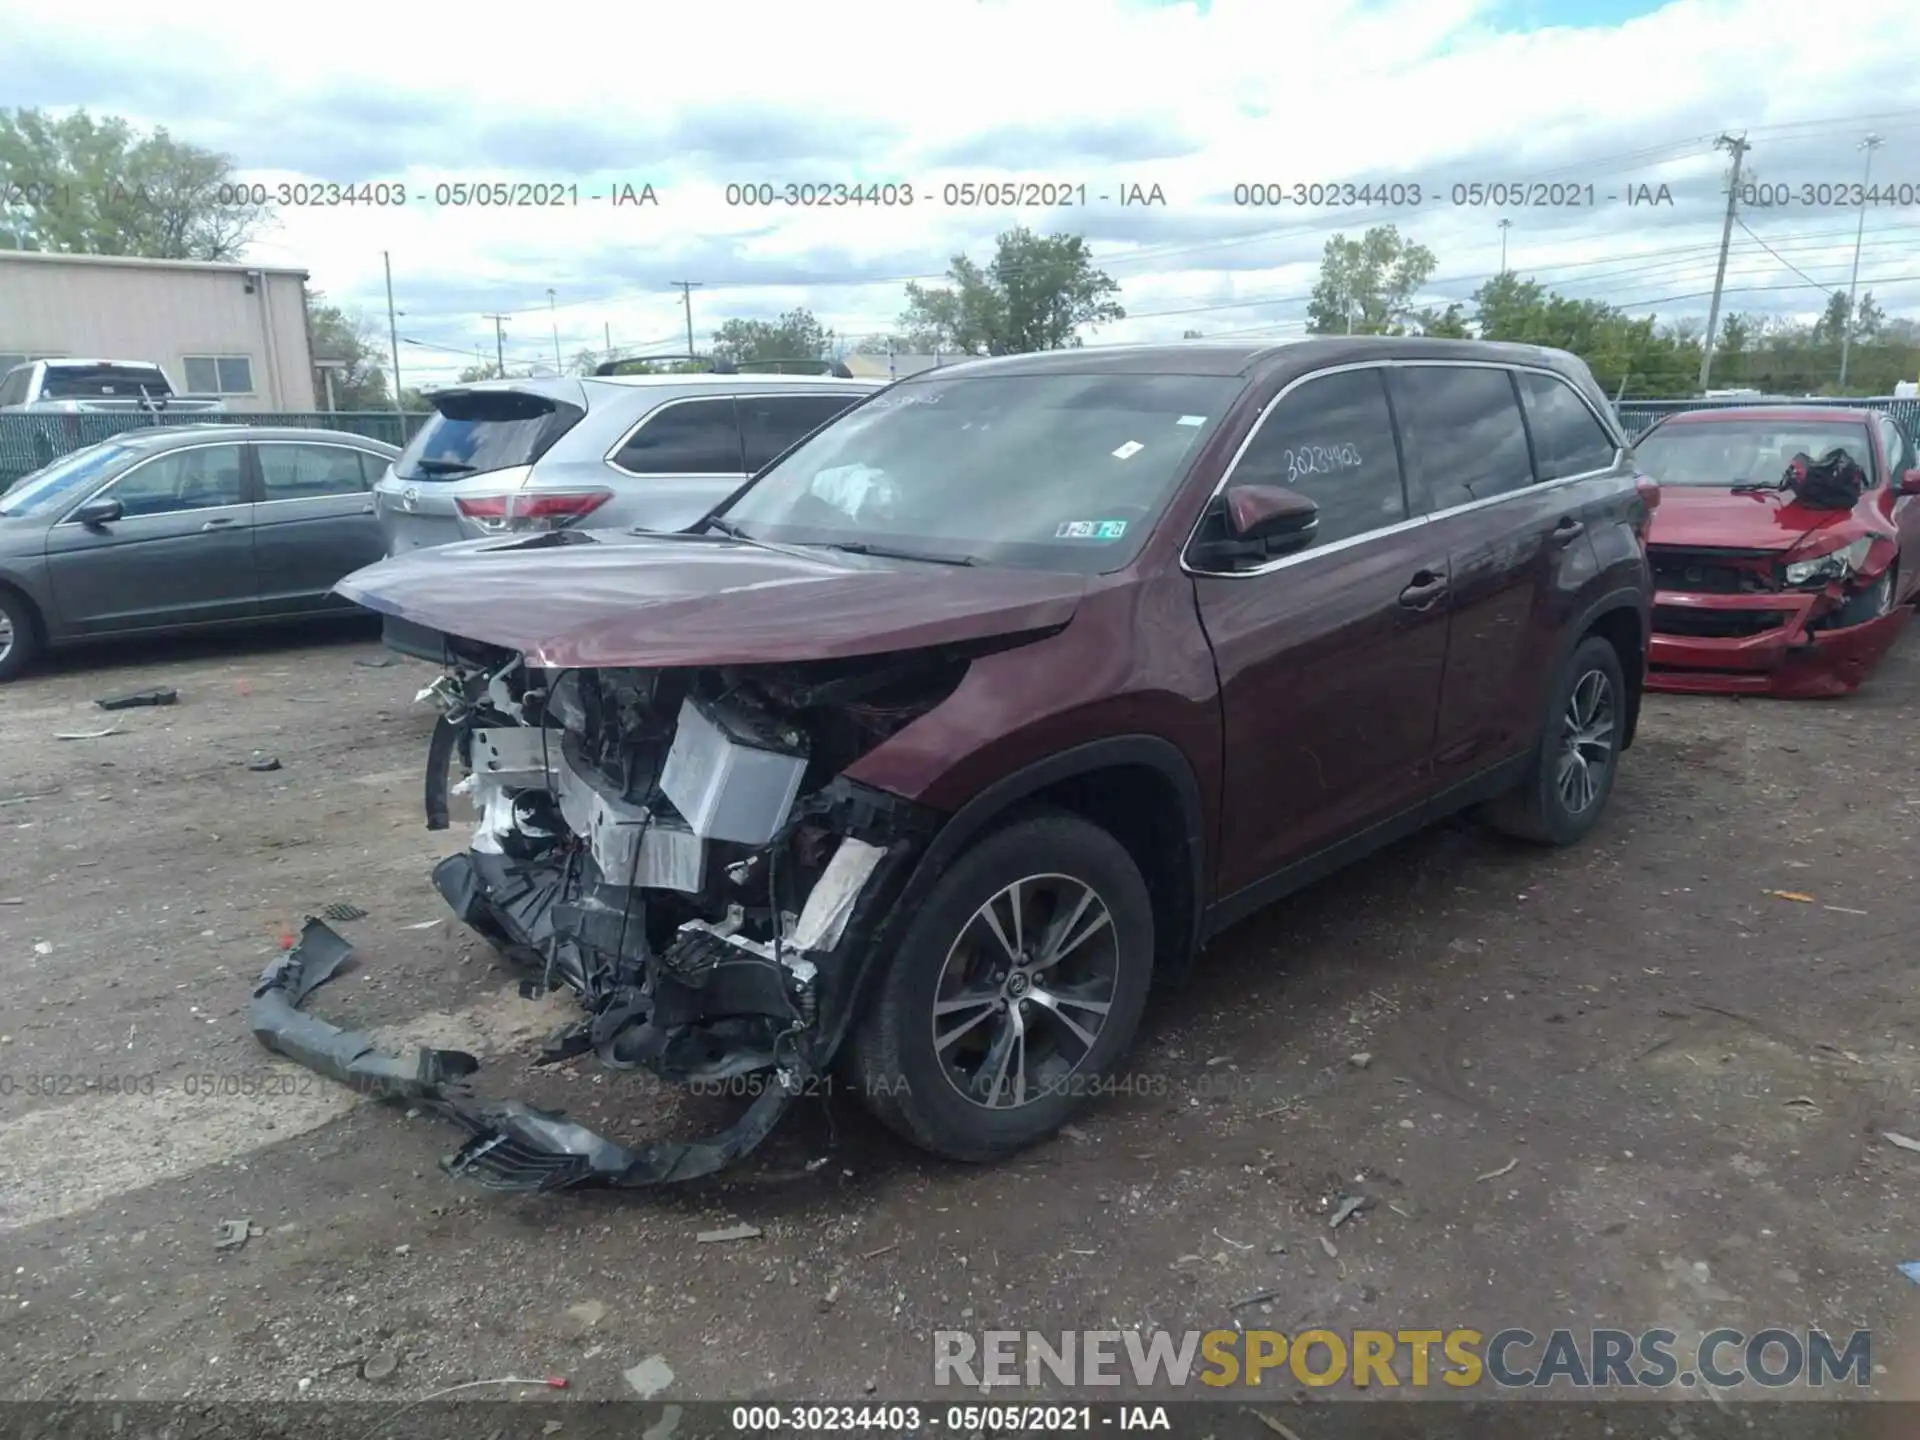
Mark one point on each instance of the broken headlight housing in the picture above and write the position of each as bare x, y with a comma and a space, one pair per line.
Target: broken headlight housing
1834, 565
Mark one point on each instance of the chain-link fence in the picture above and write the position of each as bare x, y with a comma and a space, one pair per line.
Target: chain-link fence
1637, 415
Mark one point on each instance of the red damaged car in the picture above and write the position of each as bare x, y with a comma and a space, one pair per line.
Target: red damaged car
1759, 590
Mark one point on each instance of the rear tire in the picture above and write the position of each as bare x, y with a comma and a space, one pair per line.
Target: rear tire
1572, 774
973, 1052
19, 635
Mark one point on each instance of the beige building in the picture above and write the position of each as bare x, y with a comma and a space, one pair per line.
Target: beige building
234, 330
897, 367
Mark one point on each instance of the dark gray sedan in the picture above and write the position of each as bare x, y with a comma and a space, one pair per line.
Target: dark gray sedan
184, 528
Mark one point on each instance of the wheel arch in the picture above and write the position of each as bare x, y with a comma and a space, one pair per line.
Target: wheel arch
35, 615
1619, 618
1139, 788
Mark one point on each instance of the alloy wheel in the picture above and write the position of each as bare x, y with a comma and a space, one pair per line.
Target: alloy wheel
1025, 991
6, 635
1586, 742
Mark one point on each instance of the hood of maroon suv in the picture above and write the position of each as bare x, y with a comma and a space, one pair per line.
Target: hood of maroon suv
610, 598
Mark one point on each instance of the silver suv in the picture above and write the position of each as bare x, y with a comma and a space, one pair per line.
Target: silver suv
655, 451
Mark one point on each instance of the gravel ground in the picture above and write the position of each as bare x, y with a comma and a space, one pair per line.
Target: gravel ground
1625, 1084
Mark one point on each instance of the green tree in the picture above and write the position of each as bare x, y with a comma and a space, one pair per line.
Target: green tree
414, 400
1832, 323
1620, 349
100, 187
584, 362
1448, 324
1037, 293
796, 335
1366, 286
352, 340
1191, 335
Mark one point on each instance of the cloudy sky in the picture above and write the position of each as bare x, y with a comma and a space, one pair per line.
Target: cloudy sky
1192, 98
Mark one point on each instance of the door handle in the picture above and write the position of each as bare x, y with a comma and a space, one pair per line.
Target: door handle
219, 522
1425, 591
1567, 531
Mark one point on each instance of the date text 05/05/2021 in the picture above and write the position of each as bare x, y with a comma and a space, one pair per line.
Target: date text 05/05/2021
908, 1419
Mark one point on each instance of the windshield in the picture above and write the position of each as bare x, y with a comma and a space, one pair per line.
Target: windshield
99, 382
1742, 452
474, 432
1057, 472
55, 486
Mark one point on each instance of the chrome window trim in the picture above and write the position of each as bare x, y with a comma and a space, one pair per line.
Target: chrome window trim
730, 397
1398, 526
146, 460
330, 444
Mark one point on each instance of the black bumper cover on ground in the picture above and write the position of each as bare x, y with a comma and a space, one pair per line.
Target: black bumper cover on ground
514, 1146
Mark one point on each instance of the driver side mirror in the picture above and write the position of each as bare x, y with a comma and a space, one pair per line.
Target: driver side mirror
1910, 483
1255, 523
99, 512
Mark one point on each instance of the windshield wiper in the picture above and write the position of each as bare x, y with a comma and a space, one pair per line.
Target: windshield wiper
882, 552
446, 467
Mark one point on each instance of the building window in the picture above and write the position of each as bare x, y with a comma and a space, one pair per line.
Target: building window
219, 375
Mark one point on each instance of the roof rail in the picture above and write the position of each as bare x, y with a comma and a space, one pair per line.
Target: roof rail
721, 365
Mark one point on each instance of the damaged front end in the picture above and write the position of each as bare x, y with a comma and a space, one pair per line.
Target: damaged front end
680, 850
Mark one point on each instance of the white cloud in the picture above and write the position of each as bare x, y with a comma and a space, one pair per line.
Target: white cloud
1095, 92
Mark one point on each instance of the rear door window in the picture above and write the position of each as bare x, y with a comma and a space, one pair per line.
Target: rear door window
479, 431
306, 472
1568, 439
1462, 431
770, 423
686, 437
1332, 440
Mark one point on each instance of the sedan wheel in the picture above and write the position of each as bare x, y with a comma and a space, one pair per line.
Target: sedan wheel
19, 641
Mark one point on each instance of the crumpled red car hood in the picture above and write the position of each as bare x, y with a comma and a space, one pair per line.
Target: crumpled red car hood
614, 598
1699, 516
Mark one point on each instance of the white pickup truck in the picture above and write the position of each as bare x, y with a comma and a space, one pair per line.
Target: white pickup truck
97, 387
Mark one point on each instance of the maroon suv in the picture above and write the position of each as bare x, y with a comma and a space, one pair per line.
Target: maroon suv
988, 704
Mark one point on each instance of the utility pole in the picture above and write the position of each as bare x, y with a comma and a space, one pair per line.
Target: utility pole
686, 289
1870, 144
609, 325
1737, 145
1505, 225
393, 339
499, 342
554, 316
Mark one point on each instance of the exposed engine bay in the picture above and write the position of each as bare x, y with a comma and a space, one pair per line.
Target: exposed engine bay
680, 850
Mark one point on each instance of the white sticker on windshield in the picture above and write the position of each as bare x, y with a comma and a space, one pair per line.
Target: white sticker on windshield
1128, 450
1191, 420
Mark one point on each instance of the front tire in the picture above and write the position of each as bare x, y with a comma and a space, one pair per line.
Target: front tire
19, 635
1016, 988
1572, 774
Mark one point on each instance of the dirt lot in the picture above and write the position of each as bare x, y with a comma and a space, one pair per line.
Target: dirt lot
1680, 1076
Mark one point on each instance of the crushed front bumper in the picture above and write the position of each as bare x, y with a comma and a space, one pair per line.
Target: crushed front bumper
1765, 645
513, 1146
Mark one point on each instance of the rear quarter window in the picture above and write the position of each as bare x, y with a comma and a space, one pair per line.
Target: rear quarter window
1568, 439
685, 437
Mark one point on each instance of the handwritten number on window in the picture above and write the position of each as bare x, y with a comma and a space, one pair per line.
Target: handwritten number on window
1319, 460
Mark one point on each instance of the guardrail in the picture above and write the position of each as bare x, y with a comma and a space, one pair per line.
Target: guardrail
28, 441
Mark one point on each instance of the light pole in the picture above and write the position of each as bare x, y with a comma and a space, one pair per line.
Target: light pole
554, 317
1505, 225
1870, 144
